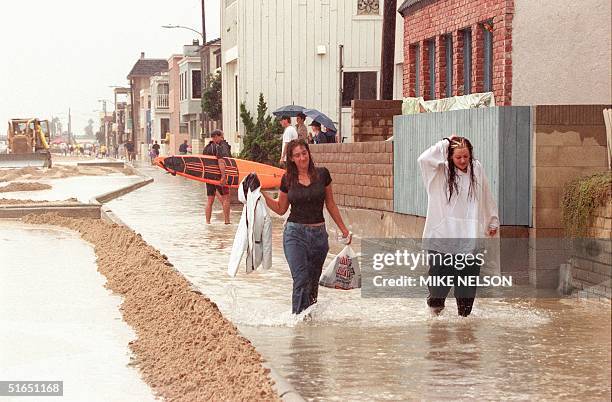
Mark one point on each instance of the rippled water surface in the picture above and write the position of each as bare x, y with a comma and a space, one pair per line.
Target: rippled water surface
376, 349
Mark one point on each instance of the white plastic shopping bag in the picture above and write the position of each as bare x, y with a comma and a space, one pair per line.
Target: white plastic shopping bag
343, 272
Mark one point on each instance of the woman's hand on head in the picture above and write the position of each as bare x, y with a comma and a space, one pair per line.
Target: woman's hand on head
452, 137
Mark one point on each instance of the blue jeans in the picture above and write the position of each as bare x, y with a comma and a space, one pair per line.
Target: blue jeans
305, 248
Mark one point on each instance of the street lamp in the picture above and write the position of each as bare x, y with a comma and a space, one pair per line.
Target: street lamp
203, 67
183, 27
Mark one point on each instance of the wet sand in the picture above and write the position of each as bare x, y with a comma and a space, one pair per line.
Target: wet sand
8, 201
60, 172
21, 186
186, 350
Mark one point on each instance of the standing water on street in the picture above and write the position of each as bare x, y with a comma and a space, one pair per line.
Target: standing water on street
356, 348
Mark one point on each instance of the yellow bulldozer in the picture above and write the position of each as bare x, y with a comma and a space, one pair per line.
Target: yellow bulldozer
28, 143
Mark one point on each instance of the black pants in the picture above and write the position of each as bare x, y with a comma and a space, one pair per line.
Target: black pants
439, 266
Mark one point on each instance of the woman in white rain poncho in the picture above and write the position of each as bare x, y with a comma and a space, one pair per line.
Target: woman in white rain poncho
460, 209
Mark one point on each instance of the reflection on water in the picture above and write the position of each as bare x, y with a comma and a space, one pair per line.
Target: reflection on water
354, 348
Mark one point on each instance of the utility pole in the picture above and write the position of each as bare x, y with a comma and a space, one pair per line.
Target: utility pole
69, 127
387, 63
105, 128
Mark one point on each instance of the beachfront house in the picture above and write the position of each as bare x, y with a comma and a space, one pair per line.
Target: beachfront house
290, 51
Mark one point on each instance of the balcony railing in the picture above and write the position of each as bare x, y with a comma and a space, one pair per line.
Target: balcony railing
162, 101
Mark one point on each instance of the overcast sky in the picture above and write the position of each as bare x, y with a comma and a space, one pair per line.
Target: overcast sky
57, 54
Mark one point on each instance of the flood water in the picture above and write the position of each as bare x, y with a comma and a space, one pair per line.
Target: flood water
57, 320
378, 349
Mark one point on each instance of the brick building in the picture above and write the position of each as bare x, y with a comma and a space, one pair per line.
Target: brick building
454, 48
525, 52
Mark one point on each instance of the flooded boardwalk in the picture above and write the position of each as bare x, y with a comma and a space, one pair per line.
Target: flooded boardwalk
355, 348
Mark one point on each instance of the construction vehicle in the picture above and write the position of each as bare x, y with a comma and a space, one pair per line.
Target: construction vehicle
28, 143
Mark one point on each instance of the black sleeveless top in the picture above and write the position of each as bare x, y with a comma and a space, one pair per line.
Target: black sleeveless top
307, 201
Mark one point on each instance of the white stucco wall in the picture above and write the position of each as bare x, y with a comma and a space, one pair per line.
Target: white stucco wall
561, 52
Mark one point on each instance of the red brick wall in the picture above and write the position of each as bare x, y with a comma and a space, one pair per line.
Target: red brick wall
429, 19
362, 173
372, 120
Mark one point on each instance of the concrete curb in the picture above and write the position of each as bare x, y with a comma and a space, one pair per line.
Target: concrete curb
67, 210
102, 164
111, 195
285, 390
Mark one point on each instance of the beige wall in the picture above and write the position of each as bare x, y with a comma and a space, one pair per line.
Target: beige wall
568, 142
176, 138
372, 120
592, 272
362, 173
140, 83
561, 52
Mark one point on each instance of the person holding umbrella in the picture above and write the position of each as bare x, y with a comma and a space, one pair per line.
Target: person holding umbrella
301, 127
317, 135
289, 135
322, 120
330, 135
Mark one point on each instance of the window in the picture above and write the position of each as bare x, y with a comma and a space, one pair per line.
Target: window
358, 85
196, 84
165, 127
163, 89
181, 94
431, 51
217, 59
368, 7
467, 62
487, 28
448, 39
417, 69
184, 86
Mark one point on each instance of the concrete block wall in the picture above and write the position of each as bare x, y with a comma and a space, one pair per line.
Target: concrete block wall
372, 120
592, 262
362, 173
569, 141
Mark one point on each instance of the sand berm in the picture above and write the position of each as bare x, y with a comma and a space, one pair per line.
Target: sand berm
185, 349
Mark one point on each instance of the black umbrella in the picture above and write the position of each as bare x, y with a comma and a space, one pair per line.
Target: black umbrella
321, 118
289, 110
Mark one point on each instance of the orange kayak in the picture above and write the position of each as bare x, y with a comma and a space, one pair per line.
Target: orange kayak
205, 168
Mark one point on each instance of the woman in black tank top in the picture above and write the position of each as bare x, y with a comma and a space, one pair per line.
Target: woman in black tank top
306, 188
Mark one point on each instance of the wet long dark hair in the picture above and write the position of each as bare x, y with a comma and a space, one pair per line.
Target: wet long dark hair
455, 144
291, 169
